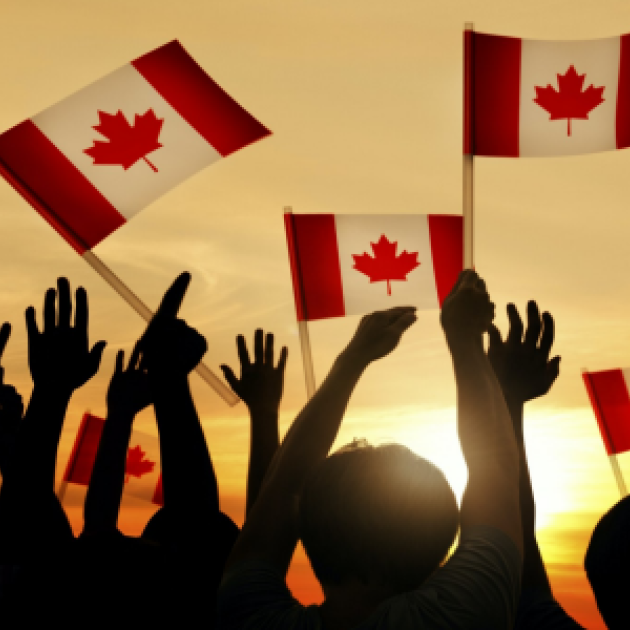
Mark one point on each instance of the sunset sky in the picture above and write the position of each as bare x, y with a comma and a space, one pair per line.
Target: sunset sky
364, 99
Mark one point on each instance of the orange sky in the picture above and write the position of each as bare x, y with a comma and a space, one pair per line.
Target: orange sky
365, 102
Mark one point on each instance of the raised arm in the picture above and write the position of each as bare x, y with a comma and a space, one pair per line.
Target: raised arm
260, 387
11, 409
60, 360
483, 421
128, 395
270, 530
170, 351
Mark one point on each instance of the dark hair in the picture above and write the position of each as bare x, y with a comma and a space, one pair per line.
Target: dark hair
607, 564
380, 514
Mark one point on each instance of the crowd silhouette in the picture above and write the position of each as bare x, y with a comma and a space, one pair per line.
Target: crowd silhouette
377, 522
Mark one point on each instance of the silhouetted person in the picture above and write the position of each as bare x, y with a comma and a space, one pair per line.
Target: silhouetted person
525, 372
607, 564
377, 522
35, 534
11, 409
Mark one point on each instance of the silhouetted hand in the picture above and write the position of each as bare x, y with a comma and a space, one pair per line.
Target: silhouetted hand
467, 311
169, 345
522, 364
379, 333
129, 391
11, 405
260, 385
59, 356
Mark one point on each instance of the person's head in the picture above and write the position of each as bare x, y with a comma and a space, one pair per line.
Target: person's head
607, 564
380, 515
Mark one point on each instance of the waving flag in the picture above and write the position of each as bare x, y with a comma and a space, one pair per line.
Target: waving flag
142, 470
608, 392
352, 264
92, 161
541, 98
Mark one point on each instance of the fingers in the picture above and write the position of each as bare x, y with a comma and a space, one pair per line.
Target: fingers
404, 320
269, 349
49, 310
515, 333
258, 346
5, 333
230, 377
134, 359
120, 358
282, 362
174, 296
546, 341
64, 301
534, 325
31, 324
243, 355
81, 313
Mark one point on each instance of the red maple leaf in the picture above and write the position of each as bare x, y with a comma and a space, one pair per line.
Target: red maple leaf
385, 265
136, 464
568, 101
127, 144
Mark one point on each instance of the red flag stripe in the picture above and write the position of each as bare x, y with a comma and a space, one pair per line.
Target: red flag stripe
622, 121
43, 175
158, 495
609, 397
315, 269
496, 95
81, 462
447, 250
198, 99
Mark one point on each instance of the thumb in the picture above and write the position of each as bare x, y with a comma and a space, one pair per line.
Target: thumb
230, 377
94, 358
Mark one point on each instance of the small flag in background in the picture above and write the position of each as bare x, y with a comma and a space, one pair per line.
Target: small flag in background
608, 391
538, 98
142, 471
354, 264
92, 161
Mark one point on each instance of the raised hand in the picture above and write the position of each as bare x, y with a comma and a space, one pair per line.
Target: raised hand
522, 363
467, 311
379, 333
11, 405
169, 345
260, 385
129, 391
60, 355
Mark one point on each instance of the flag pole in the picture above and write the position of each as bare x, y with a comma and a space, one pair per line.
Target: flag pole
61, 491
468, 146
305, 342
143, 310
612, 458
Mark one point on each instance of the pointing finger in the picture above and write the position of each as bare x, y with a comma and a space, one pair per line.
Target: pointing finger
5, 332
534, 325
241, 348
258, 346
546, 341
269, 349
65, 302
174, 296
515, 334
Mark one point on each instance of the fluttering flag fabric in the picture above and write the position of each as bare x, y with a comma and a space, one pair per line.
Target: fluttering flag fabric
353, 264
608, 391
92, 161
541, 98
142, 471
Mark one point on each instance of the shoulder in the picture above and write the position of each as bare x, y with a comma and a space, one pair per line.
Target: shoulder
253, 594
478, 587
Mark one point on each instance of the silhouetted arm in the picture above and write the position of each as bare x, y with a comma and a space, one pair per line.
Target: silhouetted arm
260, 387
483, 421
127, 396
60, 361
11, 409
270, 530
171, 350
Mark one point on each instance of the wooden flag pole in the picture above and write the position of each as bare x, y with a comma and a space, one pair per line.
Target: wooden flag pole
305, 342
143, 310
621, 484
61, 491
468, 147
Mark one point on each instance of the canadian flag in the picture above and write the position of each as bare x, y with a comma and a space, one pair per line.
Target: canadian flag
143, 478
345, 264
540, 98
92, 161
608, 392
